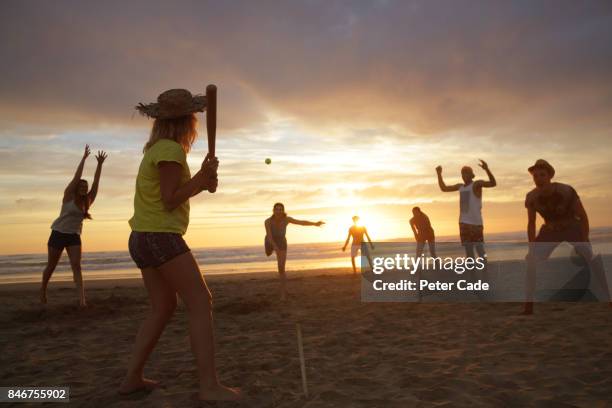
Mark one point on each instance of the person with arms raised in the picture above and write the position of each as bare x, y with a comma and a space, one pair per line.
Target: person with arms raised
66, 229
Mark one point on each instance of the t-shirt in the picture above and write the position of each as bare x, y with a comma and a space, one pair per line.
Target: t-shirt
150, 215
554, 205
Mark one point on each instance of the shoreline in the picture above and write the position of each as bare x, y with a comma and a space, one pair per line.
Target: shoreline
133, 282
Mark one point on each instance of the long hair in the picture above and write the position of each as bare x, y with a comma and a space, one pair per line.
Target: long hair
82, 201
182, 130
279, 205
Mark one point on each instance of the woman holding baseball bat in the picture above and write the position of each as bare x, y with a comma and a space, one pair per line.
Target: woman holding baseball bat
66, 229
276, 229
161, 216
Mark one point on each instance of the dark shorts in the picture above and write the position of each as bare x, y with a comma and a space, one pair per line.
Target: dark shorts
427, 235
60, 240
470, 233
549, 238
153, 249
280, 242
569, 233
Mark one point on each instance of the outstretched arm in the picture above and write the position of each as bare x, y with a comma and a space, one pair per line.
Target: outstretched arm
308, 223
71, 188
100, 157
442, 185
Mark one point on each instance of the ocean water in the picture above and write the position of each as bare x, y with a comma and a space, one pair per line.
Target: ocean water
251, 259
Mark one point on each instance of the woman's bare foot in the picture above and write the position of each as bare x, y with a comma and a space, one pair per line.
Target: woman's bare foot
129, 386
220, 393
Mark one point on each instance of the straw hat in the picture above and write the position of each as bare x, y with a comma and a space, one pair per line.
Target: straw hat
542, 164
173, 103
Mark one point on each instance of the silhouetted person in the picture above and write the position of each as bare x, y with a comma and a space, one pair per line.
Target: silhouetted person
66, 229
164, 185
470, 203
276, 229
423, 232
565, 220
357, 232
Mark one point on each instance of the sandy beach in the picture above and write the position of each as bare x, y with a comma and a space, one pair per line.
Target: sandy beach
357, 354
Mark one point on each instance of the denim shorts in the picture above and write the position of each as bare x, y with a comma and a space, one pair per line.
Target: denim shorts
153, 249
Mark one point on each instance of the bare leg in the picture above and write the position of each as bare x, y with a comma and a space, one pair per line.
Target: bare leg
484, 273
469, 249
538, 252
370, 260
53, 257
432, 247
586, 252
420, 246
74, 253
184, 275
281, 259
354, 267
480, 249
163, 303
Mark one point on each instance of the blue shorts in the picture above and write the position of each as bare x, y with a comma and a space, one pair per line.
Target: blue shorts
153, 249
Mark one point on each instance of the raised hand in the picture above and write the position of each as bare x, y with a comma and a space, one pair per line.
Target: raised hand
483, 164
101, 156
319, 223
439, 169
87, 152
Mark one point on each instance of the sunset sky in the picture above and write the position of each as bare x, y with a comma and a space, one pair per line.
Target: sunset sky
355, 102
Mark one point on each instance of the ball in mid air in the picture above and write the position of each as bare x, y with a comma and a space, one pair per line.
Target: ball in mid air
268, 161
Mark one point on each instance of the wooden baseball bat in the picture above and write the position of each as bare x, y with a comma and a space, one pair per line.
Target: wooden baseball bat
211, 122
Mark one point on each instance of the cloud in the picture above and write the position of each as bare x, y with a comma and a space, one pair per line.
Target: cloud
429, 67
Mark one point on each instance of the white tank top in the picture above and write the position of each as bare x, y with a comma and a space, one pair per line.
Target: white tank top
70, 220
470, 206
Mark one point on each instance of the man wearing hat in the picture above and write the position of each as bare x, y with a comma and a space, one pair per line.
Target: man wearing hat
564, 220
